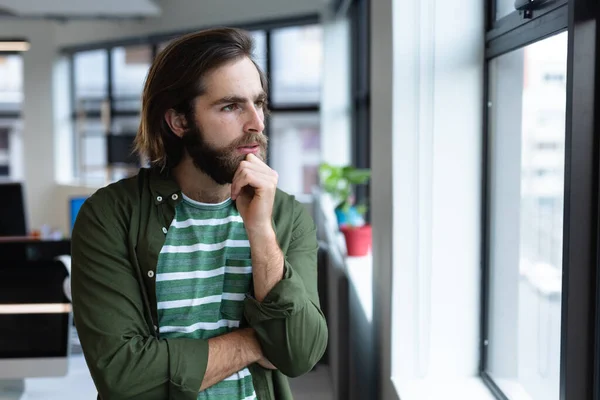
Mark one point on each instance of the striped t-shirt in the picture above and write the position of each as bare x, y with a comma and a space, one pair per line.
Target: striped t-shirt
204, 271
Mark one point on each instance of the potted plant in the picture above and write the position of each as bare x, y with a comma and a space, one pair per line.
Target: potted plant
338, 181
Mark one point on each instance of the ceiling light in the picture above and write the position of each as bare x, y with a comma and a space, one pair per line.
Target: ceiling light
14, 45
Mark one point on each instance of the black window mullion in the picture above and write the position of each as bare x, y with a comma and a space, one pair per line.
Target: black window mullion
490, 14
154, 50
110, 86
73, 108
580, 232
295, 108
361, 134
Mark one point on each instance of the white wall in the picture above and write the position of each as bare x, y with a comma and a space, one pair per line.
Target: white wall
45, 83
427, 94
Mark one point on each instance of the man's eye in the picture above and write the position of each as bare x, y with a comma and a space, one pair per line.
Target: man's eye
260, 104
230, 107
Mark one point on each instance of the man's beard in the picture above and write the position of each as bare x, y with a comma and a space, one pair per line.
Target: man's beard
220, 164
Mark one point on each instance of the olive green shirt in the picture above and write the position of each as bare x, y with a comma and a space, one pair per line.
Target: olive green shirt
116, 241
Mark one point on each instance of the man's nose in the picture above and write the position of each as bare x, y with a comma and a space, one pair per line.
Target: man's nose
255, 123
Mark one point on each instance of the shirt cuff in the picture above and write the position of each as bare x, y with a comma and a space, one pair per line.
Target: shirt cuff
288, 297
188, 360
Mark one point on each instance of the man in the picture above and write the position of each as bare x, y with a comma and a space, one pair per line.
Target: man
197, 278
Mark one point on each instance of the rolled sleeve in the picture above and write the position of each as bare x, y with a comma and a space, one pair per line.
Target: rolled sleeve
288, 297
186, 377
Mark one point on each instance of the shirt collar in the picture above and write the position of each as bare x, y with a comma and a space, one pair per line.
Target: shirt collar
163, 186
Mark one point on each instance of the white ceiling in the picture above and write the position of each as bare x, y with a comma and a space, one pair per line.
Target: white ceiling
79, 8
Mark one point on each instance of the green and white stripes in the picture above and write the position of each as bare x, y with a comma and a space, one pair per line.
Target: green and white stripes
203, 274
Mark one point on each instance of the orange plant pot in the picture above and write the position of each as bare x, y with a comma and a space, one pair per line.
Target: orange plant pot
358, 239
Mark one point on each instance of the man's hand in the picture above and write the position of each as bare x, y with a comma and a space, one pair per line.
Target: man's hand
253, 189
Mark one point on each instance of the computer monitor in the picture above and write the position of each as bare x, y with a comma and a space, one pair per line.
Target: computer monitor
75, 204
35, 321
32, 249
12, 211
119, 150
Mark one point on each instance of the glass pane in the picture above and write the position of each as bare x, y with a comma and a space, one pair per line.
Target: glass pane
91, 79
504, 7
297, 61
11, 83
125, 125
528, 92
90, 148
260, 49
130, 66
295, 150
94, 152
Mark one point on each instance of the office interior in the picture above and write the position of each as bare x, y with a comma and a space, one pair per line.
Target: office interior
477, 121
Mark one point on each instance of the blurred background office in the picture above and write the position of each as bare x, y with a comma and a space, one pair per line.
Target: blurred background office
461, 263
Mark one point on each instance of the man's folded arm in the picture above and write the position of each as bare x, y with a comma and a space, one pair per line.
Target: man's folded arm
289, 323
125, 359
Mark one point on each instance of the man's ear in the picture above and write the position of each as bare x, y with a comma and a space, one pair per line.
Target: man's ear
176, 122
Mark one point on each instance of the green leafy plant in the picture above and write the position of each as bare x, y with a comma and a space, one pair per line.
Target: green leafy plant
338, 181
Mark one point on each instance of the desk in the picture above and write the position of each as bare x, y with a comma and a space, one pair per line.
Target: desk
31, 249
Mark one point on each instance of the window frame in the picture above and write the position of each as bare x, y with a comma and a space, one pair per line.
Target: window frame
360, 17
580, 322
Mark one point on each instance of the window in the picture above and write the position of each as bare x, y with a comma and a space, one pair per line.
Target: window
11, 83
295, 150
294, 126
526, 221
107, 100
11, 101
296, 74
260, 48
91, 80
129, 67
540, 323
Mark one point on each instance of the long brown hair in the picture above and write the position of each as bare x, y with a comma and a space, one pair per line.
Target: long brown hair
175, 80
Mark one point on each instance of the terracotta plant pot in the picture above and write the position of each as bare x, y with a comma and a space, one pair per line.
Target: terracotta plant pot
358, 239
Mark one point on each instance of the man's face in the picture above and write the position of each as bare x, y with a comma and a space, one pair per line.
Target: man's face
229, 121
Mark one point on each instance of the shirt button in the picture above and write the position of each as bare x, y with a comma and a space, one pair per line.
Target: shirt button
156, 328
174, 196
159, 198
150, 274
165, 230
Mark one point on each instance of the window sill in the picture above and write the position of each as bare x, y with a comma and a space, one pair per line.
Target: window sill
442, 388
360, 274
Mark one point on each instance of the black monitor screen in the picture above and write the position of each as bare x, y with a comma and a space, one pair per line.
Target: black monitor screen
12, 210
33, 331
120, 150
